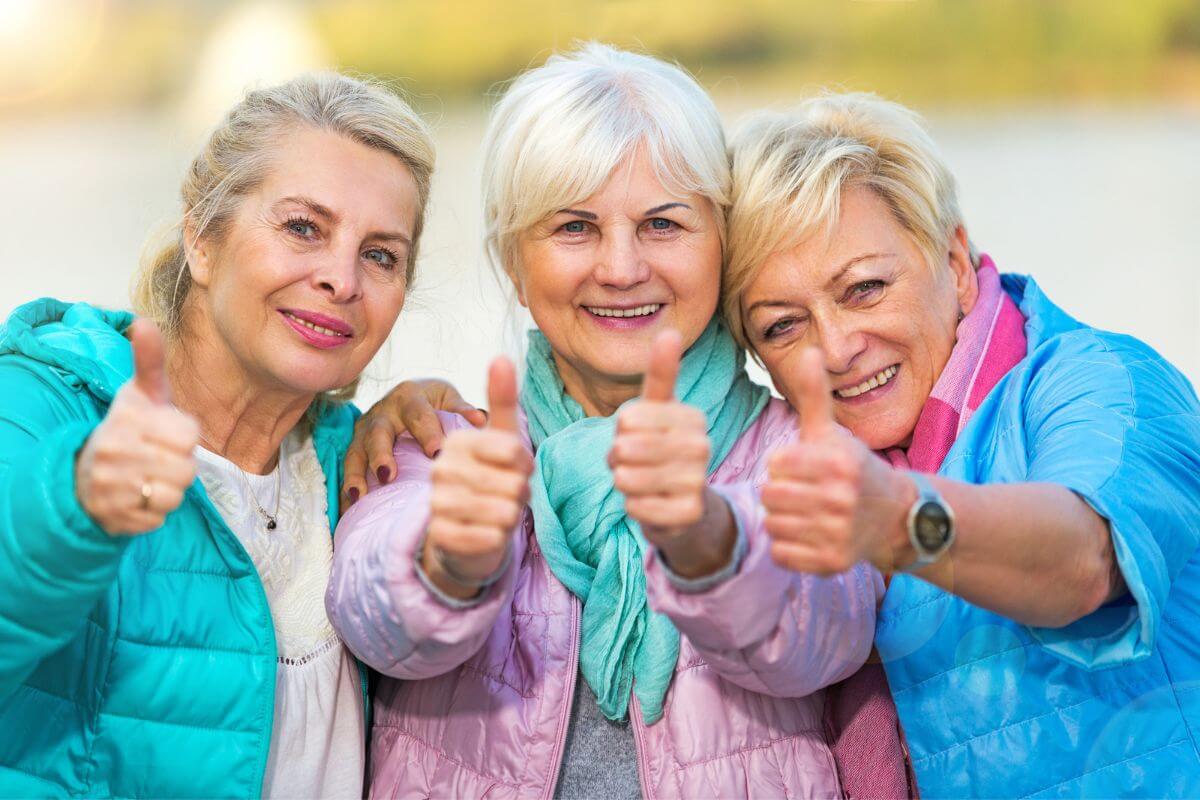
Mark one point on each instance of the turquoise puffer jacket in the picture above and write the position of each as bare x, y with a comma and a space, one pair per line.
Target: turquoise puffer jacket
1110, 705
129, 667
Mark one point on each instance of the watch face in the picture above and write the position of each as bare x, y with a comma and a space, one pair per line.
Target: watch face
932, 526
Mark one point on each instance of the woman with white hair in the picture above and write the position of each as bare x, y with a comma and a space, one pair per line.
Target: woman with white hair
162, 636
625, 633
1041, 510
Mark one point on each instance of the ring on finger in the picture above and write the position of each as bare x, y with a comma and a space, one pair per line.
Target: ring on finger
147, 493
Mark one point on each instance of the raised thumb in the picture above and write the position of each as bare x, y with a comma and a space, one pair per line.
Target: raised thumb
149, 360
502, 395
814, 402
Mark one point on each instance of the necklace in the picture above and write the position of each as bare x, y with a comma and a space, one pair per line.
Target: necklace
269, 519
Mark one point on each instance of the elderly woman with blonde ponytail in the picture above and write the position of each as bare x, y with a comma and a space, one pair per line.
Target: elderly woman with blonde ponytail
162, 636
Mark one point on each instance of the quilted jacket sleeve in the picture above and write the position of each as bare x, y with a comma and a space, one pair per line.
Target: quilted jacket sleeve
765, 628
381, 609
55, 563
1111, 420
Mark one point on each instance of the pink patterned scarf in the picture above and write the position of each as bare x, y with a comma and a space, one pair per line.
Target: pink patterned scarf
991, 340
868, 745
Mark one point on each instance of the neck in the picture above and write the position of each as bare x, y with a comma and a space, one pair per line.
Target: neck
239, 420
599, 396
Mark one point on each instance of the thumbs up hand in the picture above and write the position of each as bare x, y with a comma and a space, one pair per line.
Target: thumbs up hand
830, 501
480, 486
138, 462
659, 461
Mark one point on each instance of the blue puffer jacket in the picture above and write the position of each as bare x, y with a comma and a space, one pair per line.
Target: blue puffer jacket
1110, 705
129, 666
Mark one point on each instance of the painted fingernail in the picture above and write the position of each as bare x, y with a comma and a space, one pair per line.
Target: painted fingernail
353, 494
384, 474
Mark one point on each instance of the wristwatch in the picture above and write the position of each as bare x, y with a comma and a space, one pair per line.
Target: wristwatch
930, 524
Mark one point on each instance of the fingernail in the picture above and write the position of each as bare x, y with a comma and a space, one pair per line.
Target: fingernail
384, 474
353, 494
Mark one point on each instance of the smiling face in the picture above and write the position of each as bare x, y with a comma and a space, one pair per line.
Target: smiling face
603, 277
884, 319
306, 283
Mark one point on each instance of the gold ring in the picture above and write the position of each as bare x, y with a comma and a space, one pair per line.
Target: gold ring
147, 490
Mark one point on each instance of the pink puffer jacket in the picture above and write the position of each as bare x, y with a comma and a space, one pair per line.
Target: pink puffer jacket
482, 696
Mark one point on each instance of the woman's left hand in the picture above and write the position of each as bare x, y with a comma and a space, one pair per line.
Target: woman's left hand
659, 461
830, 501
411, 406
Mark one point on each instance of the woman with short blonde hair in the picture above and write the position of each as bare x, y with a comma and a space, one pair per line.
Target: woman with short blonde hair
1041, 514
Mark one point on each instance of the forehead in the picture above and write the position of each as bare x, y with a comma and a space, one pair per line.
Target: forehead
349, 177
634, 180
864, 225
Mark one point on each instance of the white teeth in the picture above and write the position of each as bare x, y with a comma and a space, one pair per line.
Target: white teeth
317, 328
640, 311
873, 382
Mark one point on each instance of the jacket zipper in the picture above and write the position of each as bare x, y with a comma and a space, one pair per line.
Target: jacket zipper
636, 724
564, 718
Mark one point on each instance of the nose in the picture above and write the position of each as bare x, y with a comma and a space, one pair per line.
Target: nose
841, 343
621, 264
339, 276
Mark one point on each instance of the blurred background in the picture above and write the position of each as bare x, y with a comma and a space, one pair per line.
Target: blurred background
1073, 127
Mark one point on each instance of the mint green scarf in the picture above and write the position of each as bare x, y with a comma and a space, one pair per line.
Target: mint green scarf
589, 543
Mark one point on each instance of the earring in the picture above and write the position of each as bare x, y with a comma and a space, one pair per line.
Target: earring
960, 315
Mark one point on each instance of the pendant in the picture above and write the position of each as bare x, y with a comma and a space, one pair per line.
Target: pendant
270, 523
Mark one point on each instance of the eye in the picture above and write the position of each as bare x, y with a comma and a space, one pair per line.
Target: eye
864, 289
382, 256
662, 224
574, 226
304, 228
779, 328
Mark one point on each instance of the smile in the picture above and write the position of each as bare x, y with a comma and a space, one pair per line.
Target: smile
874, 382
640, 311
313, 326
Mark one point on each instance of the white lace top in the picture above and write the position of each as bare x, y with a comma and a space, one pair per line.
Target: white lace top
317, 743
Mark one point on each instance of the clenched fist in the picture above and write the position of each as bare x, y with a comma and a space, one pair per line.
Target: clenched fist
480, 487
135, 467
659, 461
830, 501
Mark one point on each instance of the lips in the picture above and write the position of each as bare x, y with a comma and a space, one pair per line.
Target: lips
316, 329
626, 312
880, 378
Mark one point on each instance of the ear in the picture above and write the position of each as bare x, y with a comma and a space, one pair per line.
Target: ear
966, 282
518, 285
199, 256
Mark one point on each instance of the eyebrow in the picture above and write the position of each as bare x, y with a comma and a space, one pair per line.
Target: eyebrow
837, 277
588, 215
666, 206
856, 260
330, 214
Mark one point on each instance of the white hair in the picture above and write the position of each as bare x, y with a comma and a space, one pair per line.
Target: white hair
561, 129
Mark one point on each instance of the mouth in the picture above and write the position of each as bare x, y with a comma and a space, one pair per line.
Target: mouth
872, 383
624, 313
318, 329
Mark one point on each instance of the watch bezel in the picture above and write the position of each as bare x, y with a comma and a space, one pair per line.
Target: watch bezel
926, 493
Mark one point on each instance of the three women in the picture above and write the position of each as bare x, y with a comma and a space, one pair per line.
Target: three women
608, 614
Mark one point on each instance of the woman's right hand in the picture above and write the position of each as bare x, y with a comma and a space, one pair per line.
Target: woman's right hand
138, 462
480, 487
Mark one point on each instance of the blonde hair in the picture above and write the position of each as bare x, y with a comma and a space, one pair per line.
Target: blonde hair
238, 156
561, 129
790, 169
